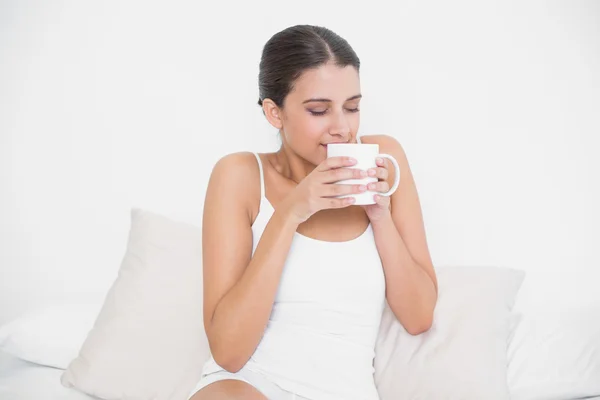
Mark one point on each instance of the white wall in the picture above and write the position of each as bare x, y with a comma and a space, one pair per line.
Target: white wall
109, 105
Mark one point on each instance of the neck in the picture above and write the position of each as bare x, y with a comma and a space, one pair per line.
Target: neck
291, 166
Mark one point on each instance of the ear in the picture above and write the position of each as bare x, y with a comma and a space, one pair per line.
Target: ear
273, 113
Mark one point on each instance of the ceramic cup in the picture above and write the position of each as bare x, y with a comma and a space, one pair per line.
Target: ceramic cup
365, 154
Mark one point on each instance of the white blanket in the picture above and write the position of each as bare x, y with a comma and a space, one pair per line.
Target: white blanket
21, 380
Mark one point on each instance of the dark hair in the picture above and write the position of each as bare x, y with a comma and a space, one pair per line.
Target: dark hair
292, 51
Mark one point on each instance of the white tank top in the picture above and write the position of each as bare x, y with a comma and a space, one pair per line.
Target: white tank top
320, 338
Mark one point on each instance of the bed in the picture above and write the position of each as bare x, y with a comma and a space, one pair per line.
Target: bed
22, 380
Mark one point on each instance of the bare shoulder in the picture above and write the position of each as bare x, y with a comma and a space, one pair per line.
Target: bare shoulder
387, 144
236, 166
235, 177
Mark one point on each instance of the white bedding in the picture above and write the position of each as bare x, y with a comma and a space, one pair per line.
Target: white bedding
21, 380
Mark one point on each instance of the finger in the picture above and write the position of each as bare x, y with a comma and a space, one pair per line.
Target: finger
381, 186
379, 173
336, 162
337, 203
343, 189
340, 174
383, 201
382, 162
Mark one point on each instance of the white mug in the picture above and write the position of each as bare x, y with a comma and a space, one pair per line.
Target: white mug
365, 155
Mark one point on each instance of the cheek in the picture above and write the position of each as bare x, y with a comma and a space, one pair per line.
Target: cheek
316, 126
354, 122
307, 128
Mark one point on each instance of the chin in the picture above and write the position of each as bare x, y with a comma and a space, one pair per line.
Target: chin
321, 154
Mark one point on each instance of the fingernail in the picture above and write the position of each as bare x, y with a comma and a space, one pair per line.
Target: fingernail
371, 186
372, 172
363, 173
362, 188
379, 160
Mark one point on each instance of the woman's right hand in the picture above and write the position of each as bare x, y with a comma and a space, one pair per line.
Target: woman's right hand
318, 189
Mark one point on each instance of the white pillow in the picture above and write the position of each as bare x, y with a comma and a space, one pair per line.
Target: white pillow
555, 354
51, 335
464, 354
148, 341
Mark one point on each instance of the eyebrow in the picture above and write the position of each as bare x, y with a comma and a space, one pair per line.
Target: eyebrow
320, 99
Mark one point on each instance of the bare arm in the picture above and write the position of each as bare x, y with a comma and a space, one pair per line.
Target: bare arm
411, 281
240, 289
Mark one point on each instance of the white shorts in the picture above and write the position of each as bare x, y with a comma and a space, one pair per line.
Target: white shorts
259, 381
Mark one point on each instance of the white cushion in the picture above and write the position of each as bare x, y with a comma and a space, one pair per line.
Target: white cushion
148, 341
555, 354
464, 354
51, 335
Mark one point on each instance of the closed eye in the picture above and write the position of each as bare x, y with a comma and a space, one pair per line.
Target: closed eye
318, 113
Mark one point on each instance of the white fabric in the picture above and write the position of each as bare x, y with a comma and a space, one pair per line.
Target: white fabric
50, 335
555, 354
22, 380
320, 338
148, 341
463, 355
257, 380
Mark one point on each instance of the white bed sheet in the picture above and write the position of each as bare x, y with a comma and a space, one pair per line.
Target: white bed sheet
22, 380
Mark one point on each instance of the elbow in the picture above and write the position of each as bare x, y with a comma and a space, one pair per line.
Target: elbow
422, 320
419, 327
229, 363
414, 331
232, 366
228, 359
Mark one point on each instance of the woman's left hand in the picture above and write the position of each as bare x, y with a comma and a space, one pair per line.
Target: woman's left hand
381, 208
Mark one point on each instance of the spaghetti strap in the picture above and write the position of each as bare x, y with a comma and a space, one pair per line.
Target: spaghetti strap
262, 177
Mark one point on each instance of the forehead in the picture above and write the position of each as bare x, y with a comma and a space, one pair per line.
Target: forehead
327, 81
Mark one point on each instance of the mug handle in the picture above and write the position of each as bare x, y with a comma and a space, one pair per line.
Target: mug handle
396, 175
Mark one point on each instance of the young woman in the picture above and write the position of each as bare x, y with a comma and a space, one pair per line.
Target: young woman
295, 279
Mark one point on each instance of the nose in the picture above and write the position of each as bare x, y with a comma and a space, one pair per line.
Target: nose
340, 126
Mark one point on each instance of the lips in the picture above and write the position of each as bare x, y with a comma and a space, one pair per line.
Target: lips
334, 143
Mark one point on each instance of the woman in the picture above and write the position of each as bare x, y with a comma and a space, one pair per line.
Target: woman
295, 279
